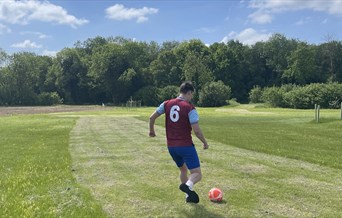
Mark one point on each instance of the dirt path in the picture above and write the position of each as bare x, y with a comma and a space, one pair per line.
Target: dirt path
47, 109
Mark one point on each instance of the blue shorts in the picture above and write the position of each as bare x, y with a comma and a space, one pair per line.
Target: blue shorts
185, 154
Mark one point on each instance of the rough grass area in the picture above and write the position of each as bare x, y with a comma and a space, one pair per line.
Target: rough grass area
133, 176
35, 170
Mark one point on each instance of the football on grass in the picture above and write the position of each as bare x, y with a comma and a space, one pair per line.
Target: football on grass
215, 194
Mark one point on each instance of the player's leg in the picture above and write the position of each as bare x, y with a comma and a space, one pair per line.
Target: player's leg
183, 173
180, 164
174, 152
191, 160
184, 177
195, 175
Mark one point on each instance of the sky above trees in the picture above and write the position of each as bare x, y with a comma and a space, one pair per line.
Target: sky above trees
46, 27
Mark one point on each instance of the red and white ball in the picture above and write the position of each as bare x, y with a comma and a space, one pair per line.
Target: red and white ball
215, 194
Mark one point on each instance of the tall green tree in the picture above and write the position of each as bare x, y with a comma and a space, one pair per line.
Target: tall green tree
125, 82
276, 51
70, 75
108, 63
43, 64
3, 78
221, 58
302, 67
139, 55
195, 70
165, 69
169, 45
7, 87
239, 70
193, 59
24, 76
91, 45
329, 60
259, 71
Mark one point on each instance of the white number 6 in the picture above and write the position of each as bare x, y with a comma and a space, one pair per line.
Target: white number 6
174, 115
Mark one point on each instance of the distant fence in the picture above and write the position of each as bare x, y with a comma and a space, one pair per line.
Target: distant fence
130, 104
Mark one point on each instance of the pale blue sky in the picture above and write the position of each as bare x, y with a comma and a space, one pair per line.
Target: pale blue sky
46, 27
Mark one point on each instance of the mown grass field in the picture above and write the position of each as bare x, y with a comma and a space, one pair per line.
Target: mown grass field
268, 162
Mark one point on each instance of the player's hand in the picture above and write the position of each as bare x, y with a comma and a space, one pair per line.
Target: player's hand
205, 146
152, 134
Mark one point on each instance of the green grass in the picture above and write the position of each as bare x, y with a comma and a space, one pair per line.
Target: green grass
282, 132
35, 174
268, 162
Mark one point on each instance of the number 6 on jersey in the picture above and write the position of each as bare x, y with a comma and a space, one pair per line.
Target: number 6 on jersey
174, 115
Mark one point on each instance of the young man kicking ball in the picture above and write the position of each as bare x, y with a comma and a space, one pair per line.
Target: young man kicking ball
180, 118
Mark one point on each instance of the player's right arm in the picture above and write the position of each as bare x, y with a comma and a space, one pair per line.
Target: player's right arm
194, 118
160, 110
153, 118
199, 134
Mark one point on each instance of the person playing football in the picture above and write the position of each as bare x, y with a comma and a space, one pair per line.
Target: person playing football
181, 118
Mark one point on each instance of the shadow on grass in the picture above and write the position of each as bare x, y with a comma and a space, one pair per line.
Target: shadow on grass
200, 211
326, 120
220, 202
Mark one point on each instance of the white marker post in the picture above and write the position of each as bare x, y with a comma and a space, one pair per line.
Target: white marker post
316, 112
318, 109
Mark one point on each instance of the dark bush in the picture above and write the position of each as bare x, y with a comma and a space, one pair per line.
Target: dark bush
168, 92
273, 96
255, 95
148, 96
214, 94
333, 95
299, 97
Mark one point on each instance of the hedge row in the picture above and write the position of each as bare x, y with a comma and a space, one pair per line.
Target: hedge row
328, 95
42, 99
213, 94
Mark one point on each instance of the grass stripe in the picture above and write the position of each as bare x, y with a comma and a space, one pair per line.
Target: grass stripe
35, 170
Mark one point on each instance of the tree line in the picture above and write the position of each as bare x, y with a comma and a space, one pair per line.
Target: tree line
112, 70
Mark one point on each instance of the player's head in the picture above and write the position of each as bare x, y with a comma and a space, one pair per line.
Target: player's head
187, 90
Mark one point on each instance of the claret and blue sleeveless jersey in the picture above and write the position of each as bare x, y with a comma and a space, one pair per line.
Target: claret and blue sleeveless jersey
179, 115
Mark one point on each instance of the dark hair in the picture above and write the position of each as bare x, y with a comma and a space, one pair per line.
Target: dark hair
185, 87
